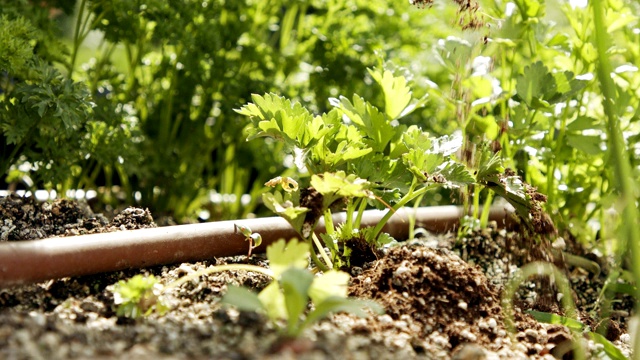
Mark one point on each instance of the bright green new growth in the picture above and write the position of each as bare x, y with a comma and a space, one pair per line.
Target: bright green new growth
138, 296
357, 155
287, 297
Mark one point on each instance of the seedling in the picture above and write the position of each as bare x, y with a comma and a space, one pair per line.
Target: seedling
358, 155
138, 296
285, 298
254, 239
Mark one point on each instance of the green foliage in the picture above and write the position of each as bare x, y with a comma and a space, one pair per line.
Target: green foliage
355, 153
288, 296
609, 350
163, 81
138, 296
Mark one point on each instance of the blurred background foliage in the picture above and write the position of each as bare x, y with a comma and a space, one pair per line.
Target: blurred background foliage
152, 86
136, 99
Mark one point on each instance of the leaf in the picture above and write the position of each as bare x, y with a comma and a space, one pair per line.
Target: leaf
330, 283
335, 304
446, 144
490, 168
285, 208
415, 138
456, 174
283, 255
533, 83
611, 350
339, 184
397, 94
295, 285
421, 163
375, 126
584, 123
590, 145
483, 126
282, 119
272, 300
551, 318
242, 298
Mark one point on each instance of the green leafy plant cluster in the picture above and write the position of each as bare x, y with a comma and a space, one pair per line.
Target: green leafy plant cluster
155, 84
356, 154
286, 298
48, 126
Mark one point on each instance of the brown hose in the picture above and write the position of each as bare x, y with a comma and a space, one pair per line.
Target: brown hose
38, 260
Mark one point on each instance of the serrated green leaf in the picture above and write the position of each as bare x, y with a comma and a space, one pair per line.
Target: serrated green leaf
285, 208
340, 184
446, 144
456, 174
397, 94
415, 138
282, 119
330, 283
490, 168
533, 83
283, 255
584, 123
421, 164
370, 121
483, 126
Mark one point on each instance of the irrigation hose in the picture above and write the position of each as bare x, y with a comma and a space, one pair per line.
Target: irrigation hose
23, 262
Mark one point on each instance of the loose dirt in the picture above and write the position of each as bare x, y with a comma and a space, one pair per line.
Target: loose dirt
441, 295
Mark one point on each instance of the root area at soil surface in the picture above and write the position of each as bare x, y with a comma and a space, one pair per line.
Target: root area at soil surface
441, 296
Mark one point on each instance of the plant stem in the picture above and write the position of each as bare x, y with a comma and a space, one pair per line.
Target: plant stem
322, 252
408, 197
630, 234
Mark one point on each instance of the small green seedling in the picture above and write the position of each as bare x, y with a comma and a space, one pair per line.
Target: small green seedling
254, 239
287, 297
138, 296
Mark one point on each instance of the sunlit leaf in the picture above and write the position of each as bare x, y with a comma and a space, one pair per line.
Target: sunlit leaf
331, 283
397, 94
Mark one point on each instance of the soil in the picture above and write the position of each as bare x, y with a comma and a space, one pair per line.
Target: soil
441, 295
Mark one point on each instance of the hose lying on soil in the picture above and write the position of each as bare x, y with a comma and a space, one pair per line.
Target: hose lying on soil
39, 260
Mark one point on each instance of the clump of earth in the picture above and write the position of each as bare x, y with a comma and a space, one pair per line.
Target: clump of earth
441, 295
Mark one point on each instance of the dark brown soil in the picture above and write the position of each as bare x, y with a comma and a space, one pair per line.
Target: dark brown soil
442, 300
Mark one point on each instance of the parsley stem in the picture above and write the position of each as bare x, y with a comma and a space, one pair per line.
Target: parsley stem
405, 199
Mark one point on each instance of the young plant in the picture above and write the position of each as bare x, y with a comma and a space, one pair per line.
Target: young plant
138, 296
285, 298
254, 239
357, 155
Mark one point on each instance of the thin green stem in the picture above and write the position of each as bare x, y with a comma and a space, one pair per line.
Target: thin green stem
623, 175
361, 208
408, 197
323, 254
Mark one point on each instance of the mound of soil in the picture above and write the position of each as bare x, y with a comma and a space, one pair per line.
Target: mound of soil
441, 298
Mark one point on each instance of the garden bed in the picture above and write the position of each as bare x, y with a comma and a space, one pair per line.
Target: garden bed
442, 299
